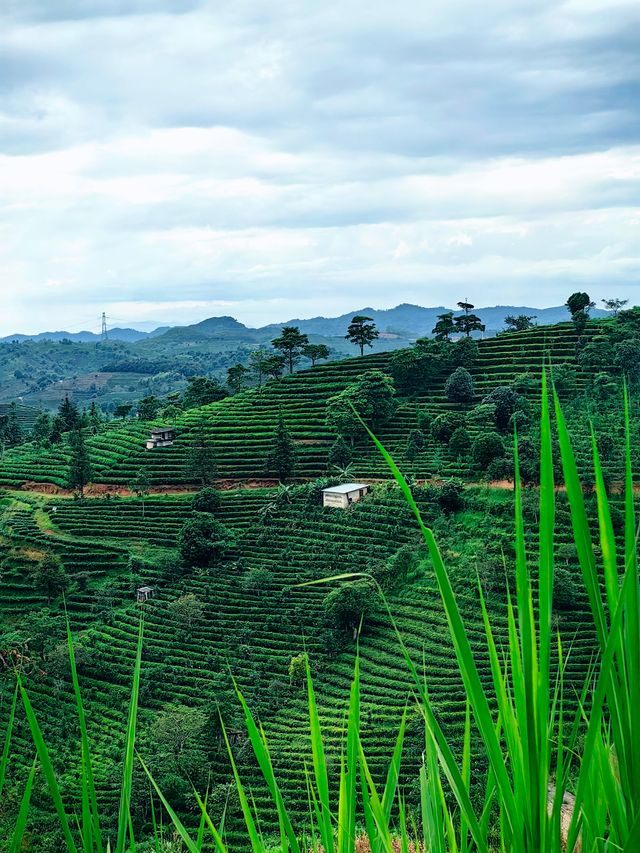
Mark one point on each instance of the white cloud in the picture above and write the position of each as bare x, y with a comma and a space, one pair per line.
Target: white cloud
254, 157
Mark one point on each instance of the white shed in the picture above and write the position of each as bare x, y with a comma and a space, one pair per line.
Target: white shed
344, 495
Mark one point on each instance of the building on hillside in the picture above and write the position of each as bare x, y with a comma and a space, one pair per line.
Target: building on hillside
143, 594
161, 437
344, 495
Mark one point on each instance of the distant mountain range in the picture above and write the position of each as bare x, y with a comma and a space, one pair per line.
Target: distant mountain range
404, 321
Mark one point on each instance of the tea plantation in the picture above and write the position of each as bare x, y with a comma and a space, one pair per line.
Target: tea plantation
239, 430
251, 615
250, 619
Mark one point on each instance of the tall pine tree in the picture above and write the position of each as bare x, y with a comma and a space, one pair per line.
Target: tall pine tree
281, 461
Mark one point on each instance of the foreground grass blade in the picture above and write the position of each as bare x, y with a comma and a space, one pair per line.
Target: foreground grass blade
91, 816
182, 832
15, 845
466, 663
47, 769
127, 776
4, 758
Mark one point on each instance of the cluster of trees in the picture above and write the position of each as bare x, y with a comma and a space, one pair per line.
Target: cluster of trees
464, 324
289, 348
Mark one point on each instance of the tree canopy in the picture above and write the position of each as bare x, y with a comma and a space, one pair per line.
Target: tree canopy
290, 343
362, 332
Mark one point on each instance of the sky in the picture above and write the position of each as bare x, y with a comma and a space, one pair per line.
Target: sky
169, 160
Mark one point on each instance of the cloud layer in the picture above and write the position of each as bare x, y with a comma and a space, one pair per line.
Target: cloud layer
167, 160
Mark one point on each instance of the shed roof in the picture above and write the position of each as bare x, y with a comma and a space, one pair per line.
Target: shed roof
145, 589
346, 487
155, 430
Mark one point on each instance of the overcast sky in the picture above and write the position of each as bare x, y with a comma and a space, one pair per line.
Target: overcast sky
168, 160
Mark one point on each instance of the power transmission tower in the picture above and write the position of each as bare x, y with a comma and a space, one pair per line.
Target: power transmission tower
104, 327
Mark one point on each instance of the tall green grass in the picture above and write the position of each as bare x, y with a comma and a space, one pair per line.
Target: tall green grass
555, 781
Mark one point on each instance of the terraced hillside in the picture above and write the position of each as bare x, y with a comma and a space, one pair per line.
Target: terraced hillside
240, 429
254, 618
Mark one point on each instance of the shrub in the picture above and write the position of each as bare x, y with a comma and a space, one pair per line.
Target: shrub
298, 667
459, 386
482, 416
487, 447
257, 580
207, 500
451, 495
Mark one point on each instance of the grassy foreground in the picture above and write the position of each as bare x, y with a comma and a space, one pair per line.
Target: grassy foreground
552, 781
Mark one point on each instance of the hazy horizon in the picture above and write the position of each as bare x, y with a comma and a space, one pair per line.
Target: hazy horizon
167, 162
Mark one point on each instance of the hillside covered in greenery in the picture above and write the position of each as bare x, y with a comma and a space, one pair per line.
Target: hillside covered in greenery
227, 529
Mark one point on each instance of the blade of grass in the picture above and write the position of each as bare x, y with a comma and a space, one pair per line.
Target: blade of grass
15, 845
4, 759
47, 769
127, 776
91, 815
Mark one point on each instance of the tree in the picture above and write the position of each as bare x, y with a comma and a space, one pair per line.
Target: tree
178, 731
10, 431
362, 332
203, 540
207, 500
466, 306
372, 398
79, 465
614, 305
444, 327
68, 414
141, 486
444, 425
348, 606
415, 444
41, 432
273, 366
291, 344
148, 408
49, 576
237, 377
506, 402
627, 357
316, 352
340, 454
201, 463
256, 364
487, 447
122, 410
201, 390
94, 417
460, 442
459, 386
467, 323
281, 460
579, 305
187, 609
519, 323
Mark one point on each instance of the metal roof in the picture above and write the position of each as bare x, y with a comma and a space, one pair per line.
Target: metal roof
346, 487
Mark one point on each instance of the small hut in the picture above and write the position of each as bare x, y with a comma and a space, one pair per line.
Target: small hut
161, 437
345, 495
144, 593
